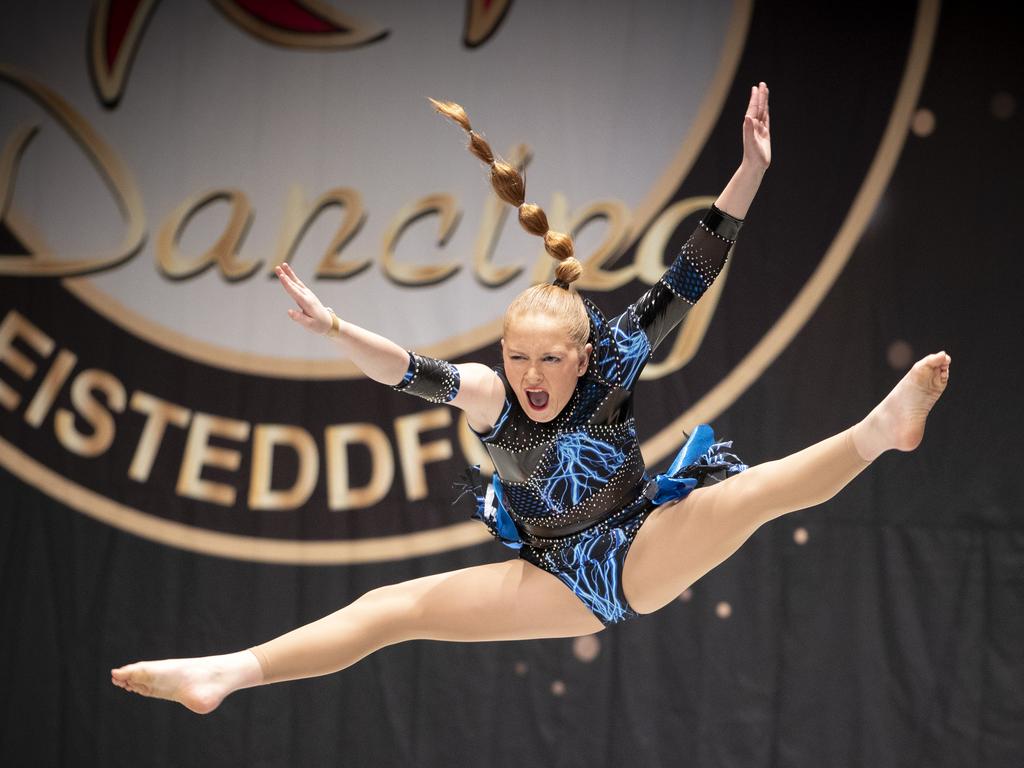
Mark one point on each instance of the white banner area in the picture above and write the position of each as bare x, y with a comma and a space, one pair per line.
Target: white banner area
244, 154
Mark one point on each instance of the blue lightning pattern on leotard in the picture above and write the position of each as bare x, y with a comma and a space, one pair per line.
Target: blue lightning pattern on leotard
592, 573
501, 420
634, 349
582, 463
621, 347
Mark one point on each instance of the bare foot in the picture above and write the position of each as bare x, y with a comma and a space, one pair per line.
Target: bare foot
898, 421
200, 684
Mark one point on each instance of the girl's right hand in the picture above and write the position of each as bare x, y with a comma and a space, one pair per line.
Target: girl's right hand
311, 314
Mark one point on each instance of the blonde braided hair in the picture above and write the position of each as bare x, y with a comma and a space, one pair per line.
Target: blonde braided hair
509, 185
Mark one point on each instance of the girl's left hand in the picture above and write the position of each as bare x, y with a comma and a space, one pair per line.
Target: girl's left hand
757, 142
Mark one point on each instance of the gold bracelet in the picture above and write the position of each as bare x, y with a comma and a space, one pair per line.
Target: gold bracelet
335, 330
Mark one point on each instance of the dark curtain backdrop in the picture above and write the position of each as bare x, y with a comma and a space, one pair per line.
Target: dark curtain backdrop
892, 636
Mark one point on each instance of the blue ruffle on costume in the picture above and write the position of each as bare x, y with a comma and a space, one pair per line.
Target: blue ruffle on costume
699, 462
490, 508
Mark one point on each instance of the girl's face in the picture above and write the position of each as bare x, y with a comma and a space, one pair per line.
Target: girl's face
542, 364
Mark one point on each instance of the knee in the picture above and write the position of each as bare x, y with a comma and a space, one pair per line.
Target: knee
390, 613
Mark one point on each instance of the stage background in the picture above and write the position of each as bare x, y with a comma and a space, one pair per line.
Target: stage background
882, 629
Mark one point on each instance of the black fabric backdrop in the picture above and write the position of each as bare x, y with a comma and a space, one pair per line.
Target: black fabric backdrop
893, 637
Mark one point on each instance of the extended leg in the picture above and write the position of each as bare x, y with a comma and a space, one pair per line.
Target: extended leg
681, 542
512, 600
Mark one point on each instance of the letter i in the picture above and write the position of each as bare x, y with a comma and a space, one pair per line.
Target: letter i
47, 393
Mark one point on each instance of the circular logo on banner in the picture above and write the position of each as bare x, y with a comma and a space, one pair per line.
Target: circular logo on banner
149, 376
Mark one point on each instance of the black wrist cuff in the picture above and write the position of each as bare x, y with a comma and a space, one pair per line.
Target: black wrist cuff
720, 223
434, 380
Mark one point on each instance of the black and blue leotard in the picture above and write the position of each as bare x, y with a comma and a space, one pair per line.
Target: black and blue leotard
571, 493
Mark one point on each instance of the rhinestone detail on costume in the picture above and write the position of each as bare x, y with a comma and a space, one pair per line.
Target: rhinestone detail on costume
434, 380
590, 464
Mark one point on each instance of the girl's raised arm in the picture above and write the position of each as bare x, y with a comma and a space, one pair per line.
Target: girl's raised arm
472, 387
704, 255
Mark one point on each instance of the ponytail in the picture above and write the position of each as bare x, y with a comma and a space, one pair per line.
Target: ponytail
509, 185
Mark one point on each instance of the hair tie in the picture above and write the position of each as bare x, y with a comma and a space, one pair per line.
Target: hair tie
560, 283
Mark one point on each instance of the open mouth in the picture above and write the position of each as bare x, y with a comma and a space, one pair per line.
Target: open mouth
538, 398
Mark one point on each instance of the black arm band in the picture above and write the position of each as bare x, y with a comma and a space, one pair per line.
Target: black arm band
721, 224
434, 380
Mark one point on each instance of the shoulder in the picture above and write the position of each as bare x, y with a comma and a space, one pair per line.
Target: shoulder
620, 345
478, 373
485, 396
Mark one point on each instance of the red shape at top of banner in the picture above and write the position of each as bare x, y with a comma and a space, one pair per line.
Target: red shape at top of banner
289, 15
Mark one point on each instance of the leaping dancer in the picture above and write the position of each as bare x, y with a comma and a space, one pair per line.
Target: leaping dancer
599, 541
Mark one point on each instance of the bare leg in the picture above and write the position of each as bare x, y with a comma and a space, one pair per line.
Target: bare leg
681, 542
511, 600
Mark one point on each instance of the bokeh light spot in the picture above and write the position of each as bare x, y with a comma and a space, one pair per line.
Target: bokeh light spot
1003, 105
899, 355
586, 648
923, 122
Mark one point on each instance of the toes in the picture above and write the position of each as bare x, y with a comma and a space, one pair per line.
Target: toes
134, 675
127, 678
124, 674
937, 364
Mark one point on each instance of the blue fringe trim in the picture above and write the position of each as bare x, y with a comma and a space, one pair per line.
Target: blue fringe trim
701, 459
490, 508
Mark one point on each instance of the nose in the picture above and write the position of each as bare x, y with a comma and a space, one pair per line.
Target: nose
533, 375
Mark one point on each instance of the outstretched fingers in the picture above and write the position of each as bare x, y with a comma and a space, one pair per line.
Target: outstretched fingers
289, 282
293, 277
757, 107
752, 105
756, 135
303, 297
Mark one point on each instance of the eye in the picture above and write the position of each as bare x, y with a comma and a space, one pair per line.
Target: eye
552, 359
516, 357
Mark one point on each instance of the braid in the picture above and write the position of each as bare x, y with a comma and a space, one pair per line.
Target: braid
509, 185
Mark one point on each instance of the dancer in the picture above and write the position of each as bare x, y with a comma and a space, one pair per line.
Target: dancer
599, 542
